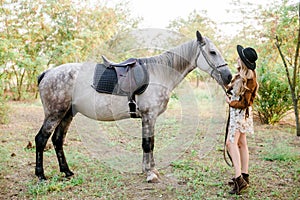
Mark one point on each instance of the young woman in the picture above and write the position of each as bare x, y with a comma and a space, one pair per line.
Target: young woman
242, 91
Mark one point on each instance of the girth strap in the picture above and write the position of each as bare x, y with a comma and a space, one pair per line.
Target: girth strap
132, 107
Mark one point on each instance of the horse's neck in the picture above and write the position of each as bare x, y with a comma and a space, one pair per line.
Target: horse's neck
171, 67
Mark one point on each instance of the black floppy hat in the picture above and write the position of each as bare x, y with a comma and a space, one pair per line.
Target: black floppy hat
248, 56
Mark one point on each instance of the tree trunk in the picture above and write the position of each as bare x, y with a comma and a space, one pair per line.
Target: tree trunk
297, 118
293, 82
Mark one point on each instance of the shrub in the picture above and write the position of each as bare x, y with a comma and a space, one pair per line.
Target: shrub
274, 99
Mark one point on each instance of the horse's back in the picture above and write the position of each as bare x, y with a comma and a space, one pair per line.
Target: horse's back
99, 106
59, 74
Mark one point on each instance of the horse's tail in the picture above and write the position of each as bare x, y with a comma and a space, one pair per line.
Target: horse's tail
41, 76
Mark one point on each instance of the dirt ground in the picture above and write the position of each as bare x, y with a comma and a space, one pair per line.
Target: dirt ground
274, 180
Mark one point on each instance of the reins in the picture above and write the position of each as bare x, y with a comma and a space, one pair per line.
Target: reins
215, 68
225, 151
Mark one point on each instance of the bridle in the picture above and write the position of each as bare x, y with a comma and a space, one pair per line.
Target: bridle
210, 63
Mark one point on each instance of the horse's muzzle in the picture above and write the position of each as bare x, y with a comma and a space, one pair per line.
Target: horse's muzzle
227, 79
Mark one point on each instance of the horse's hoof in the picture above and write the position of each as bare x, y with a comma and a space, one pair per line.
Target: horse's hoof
42, 178
156, 172
69, 174
152, 177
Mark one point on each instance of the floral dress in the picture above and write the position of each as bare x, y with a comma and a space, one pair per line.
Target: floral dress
238, 120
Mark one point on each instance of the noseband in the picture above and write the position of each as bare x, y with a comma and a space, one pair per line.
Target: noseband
210, 63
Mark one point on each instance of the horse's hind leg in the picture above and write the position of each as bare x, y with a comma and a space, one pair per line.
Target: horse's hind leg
58, 139
41, 140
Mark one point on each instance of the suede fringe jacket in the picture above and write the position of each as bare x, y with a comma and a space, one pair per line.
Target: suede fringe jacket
248, 97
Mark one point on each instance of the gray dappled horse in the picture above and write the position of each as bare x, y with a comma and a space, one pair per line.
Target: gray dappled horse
66, 90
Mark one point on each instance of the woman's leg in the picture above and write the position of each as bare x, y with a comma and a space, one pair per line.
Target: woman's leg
244, 153
235, 153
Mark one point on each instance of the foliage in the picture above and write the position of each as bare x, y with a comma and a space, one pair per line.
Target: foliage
274, 99
195, 21
282, 29
290, 57
36, 35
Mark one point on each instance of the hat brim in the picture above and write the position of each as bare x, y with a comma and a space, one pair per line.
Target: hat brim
249, 65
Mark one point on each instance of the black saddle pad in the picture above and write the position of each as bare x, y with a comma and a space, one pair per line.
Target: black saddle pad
122, 81
105, 79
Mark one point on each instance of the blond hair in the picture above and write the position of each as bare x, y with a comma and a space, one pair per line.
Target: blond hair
242, 77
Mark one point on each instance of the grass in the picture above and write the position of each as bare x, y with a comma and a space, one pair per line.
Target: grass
55, 184
280, 152
274, 162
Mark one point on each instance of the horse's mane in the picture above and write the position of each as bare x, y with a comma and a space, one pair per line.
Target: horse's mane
178, 58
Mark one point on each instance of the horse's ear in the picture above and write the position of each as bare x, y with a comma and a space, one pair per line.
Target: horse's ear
199, 36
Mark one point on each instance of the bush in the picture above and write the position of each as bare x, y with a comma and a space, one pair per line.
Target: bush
274, 100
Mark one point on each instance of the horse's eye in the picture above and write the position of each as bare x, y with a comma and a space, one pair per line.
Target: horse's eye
213, 53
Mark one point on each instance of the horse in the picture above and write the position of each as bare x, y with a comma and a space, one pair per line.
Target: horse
66, 90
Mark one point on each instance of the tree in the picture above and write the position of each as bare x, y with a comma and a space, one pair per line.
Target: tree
289, 52
36, 35
20, 45
195, 21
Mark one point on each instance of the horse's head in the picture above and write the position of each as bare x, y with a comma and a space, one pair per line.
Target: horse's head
210, 60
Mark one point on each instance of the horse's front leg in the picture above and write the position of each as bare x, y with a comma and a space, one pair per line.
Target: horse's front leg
148, 123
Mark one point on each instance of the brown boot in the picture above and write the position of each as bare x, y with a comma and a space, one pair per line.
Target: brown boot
245, 177
239, 185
